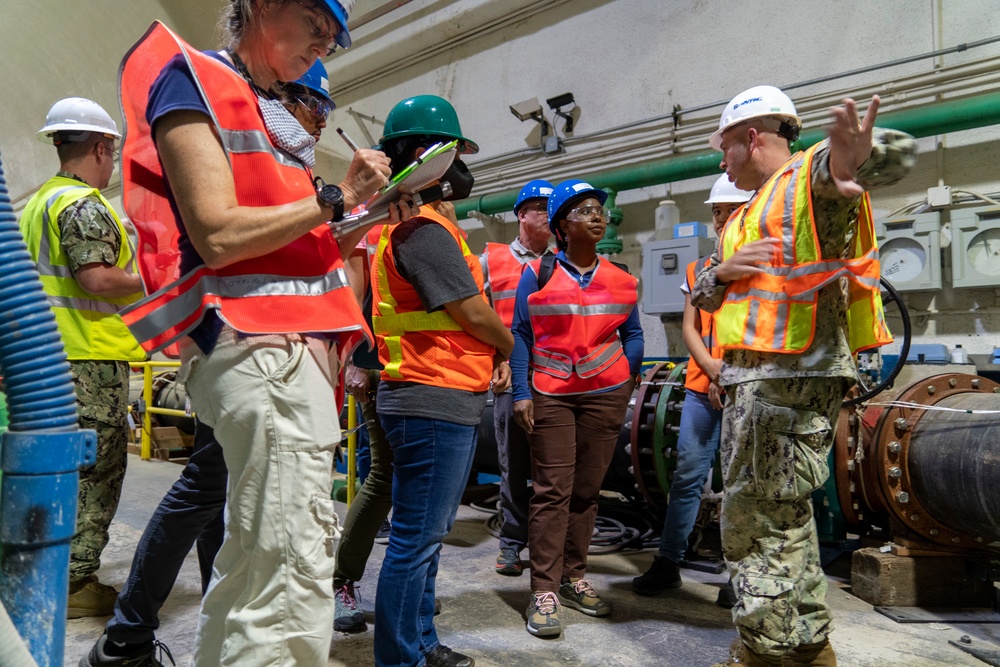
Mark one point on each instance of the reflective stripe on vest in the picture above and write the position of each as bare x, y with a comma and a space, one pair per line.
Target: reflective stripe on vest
89, 324
695, 378
299, 288
775, 310
415, 345
577, 348
504, 269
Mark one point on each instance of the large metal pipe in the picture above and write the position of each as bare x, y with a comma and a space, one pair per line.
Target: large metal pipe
940, 118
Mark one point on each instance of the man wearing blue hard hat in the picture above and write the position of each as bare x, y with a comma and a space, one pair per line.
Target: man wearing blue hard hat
502, 264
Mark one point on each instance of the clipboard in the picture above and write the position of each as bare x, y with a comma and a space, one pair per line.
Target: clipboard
430, 166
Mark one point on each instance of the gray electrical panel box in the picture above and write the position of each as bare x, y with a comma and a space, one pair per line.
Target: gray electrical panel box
975, 247
910, 251
664, 270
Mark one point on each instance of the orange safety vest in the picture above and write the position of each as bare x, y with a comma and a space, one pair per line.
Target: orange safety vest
417, 346
775, 311
696, 379
300, 288
577, 348
505, 273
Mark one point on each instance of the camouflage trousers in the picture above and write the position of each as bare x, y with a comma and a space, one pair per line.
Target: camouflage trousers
776, 437
102, 402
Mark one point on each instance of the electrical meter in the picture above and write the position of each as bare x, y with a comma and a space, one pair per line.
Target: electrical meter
910, 251
975, 247
664, 270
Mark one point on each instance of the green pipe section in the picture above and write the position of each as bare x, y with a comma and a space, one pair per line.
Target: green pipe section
940, 118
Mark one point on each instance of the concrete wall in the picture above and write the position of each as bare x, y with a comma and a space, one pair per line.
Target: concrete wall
625, 61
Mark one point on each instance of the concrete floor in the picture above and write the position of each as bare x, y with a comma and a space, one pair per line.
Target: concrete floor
482, 612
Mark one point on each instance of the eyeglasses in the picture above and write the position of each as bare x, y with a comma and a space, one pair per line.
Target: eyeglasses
589, 212
320, 27
319, 108
535, 208
115, 154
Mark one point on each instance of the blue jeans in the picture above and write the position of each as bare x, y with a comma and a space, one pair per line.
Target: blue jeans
431, 463
697, 443
192, 509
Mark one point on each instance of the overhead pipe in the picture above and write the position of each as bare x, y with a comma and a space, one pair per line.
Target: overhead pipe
40, 456
940, 118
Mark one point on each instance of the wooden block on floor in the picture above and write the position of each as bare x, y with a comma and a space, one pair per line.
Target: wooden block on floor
887, 579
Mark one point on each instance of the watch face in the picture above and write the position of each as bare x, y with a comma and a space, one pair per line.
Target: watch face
331, 194
902, 260
983, 252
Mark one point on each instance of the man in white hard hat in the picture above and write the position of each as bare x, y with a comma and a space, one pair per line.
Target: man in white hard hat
794, 287
701, 420
85, 261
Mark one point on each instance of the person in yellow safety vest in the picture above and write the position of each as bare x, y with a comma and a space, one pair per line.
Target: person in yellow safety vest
701, 421
502, 264
794, 288
86, 264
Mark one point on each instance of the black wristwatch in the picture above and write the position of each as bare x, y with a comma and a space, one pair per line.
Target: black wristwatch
330, 196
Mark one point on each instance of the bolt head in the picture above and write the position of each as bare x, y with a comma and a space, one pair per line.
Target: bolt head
975, 383
902, 424
953, 383
935, 532
931, 389
902, 497
895, 472
914, 517
895, 447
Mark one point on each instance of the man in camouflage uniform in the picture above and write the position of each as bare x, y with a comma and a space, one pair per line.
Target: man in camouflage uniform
85, 261
778, 424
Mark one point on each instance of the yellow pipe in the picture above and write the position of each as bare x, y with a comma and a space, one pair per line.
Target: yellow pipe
147, 399
146, 448
352, 447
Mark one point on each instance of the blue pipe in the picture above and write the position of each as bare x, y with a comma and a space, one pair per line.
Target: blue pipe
40, 454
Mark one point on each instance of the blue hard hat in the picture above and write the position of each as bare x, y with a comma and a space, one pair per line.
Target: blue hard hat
565, 194
316, 80
340, 9
536, 189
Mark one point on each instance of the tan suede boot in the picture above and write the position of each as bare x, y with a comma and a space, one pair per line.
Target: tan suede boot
740, 655
813, 655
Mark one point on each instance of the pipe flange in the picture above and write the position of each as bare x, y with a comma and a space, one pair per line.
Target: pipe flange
846, 471
644, 437
892, 454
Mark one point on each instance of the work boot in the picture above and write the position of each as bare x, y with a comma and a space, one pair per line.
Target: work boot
580, 595
740, 655
543, 615
442, 656
813, 655
509, 562
661, 575
382, 536
347, 614
137, 655
727, 596
89, 597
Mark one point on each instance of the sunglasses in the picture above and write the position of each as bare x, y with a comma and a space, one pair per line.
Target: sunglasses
320, 26
319, 108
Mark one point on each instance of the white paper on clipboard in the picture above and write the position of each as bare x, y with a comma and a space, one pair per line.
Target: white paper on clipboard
429, 167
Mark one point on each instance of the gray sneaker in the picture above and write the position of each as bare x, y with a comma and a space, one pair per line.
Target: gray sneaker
543, 615
580, 595
347, 614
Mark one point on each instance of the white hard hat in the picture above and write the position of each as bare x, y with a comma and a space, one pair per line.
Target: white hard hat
724, 192
77, 114
756, 102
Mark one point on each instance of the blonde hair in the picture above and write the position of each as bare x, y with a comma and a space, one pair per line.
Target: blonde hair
237, 17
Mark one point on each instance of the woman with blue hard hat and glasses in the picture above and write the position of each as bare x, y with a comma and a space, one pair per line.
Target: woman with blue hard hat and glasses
308, 99
578, 348
245, 277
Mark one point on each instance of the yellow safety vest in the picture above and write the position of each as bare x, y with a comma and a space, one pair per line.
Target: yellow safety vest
89, 324
775, 311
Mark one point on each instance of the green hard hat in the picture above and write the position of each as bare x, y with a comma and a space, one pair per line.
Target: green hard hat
425, 115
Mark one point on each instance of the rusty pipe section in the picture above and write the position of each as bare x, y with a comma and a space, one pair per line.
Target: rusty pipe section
932, 467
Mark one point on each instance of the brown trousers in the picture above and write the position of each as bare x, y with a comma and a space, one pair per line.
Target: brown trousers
571, 447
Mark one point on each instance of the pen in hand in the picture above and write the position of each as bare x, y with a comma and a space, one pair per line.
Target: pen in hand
347, 140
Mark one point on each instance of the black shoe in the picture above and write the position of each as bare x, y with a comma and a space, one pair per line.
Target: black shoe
382, 536
145, 655
727, 596
437, 607
442, 656
661, 575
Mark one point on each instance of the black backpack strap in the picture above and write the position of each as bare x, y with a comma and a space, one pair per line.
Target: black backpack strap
623, 267
546, 269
